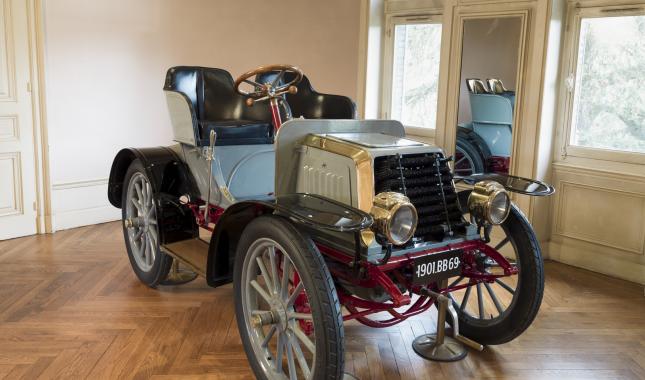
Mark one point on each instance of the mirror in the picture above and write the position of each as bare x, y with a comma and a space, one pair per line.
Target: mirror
490, 60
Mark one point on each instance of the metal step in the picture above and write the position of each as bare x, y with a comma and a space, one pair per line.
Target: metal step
193, 253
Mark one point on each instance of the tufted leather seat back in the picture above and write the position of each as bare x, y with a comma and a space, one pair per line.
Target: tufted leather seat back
212, 94
311, 104
217, 106
222, 102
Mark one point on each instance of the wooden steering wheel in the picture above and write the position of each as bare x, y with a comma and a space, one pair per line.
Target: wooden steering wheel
263, 91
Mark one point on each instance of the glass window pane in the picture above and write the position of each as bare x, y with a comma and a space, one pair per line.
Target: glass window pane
415, 75
609, 102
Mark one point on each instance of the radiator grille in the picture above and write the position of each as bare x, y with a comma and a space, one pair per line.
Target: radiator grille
416, 176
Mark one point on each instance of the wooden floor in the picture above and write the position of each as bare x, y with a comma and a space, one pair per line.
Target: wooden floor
70, 307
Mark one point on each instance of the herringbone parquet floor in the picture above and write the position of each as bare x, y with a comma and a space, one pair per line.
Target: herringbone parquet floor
70, 307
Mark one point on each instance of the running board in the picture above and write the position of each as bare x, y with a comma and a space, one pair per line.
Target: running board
192, 252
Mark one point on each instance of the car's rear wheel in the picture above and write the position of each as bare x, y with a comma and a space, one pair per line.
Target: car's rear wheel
468, 159
140, 227
287, 309
498, 312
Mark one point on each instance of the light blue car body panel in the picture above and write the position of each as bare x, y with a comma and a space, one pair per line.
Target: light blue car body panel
493, 121
249, 170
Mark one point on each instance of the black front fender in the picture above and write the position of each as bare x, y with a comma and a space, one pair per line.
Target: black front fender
170, 178
512, 183
166, 171
317, 216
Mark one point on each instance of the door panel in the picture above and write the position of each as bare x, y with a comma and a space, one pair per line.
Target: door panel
10, 199
17, 169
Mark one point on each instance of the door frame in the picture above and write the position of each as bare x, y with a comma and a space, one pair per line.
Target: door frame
36, 37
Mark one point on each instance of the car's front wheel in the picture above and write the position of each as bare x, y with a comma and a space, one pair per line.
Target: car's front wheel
499, 311
140, 227
286, 305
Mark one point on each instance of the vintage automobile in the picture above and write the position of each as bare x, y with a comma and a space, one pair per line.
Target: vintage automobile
484, 144
320, 219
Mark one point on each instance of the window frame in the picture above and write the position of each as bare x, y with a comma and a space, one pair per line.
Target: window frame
392, 20
568, 79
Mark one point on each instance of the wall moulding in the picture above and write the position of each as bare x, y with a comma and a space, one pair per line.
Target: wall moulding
77, 184
82, 203
608, 217
602, 169
598, 259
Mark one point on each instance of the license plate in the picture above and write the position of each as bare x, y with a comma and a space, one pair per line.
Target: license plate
435, 267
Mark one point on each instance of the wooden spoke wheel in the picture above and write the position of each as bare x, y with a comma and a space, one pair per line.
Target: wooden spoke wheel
286, 304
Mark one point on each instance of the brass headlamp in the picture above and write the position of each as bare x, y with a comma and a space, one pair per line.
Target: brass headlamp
489, 201
395, 218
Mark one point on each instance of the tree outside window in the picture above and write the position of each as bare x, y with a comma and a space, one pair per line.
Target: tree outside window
609, 101
415, 74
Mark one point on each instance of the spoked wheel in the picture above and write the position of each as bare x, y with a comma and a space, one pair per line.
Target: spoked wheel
468, 160
287, 308
495, 313
140, 228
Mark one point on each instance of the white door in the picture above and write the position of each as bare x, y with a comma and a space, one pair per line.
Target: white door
17, 169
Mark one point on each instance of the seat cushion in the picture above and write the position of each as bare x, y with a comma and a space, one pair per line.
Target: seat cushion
237, 132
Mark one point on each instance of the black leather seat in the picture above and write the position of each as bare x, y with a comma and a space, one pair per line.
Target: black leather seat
217, 106
311, 104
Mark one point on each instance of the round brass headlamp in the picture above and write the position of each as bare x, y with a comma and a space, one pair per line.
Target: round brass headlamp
489, 201
395, 218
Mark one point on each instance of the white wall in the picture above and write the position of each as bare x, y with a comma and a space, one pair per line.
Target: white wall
490, 50
106, 60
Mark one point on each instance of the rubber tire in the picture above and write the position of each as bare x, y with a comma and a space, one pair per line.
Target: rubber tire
469, 148
476, 139
163, 262
330, 344
531, 286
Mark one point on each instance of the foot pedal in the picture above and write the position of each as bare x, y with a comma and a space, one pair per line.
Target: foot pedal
178, 276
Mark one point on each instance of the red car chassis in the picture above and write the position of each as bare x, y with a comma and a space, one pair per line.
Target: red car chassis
369, 275
380, 275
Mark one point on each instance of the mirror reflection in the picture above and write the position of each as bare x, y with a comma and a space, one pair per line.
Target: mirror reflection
489, 68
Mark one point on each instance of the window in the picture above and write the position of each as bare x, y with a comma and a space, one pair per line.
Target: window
608, 110
413, 82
